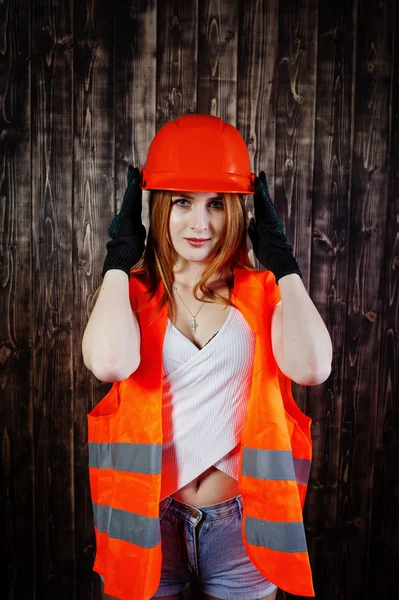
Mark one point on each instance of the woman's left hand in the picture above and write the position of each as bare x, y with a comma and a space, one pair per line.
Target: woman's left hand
266, 232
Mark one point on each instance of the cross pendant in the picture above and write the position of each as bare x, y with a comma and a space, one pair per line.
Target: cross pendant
194, 325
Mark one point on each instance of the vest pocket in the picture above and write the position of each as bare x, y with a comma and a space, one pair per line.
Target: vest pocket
109, 405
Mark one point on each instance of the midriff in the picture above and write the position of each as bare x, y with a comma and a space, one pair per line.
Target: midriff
211, 487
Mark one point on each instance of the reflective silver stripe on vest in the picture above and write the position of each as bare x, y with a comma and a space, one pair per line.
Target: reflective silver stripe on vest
277, 465
122, 456
127, 526
282, 536
268, 464
302, 470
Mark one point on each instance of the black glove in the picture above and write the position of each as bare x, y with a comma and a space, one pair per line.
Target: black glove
266, 232
126, 230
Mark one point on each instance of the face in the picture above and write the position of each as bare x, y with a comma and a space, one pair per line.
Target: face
196, 225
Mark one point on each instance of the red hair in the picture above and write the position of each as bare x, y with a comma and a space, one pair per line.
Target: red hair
159, 256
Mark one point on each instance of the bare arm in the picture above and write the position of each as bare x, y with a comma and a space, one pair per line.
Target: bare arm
301, 342
111, 340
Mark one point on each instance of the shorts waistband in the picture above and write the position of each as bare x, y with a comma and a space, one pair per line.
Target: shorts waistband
211, 511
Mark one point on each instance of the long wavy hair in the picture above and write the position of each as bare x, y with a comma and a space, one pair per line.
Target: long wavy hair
159, 257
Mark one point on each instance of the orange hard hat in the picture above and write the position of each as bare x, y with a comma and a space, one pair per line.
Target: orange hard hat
198, 153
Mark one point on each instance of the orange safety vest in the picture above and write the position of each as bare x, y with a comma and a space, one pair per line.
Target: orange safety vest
125, 458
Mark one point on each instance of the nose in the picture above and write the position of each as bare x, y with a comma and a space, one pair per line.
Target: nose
200, 217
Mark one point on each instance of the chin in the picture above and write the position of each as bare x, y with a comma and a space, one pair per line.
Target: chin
195, 256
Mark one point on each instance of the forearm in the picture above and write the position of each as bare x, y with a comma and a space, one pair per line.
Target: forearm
305, 343
111, 340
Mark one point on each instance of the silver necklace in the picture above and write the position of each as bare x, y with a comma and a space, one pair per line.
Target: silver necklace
194, 323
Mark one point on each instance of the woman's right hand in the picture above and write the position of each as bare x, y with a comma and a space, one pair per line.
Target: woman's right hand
126, 230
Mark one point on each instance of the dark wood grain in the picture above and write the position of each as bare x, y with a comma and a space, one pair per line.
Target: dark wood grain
314, 89
257, 87
177, 48
328, 276
217, 59
382, 571
135, 100
94, 207
52, 371
294, 147
363, 360
17, 483
294, 144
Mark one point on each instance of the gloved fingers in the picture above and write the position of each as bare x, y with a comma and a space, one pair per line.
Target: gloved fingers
267, 238
263, 178
273, 230
263, 187
132, 200
133, 173
128, 219
260, 202
265, 209
125, 233
261, 183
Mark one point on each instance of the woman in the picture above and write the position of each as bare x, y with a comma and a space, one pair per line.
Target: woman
228, 348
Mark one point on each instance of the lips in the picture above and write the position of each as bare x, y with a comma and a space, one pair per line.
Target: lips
197, 242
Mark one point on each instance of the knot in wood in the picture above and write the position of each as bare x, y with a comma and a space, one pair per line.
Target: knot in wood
370, 316
47, 31
5, 353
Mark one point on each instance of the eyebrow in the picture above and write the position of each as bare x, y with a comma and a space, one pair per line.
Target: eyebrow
183, 195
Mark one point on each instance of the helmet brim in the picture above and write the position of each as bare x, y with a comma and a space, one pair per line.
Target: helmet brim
169, 182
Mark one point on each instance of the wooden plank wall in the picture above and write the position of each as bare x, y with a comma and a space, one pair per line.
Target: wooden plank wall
314, 88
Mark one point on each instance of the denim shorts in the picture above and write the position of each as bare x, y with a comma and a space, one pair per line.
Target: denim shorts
204, 545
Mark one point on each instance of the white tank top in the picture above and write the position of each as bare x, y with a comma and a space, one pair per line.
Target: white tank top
204, 402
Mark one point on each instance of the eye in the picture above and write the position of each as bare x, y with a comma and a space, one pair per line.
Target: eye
179, 201
219, 205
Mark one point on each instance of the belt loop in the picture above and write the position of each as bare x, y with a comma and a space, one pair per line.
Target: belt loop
240, 503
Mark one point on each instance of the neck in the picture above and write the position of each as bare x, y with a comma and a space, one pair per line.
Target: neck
189, 274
